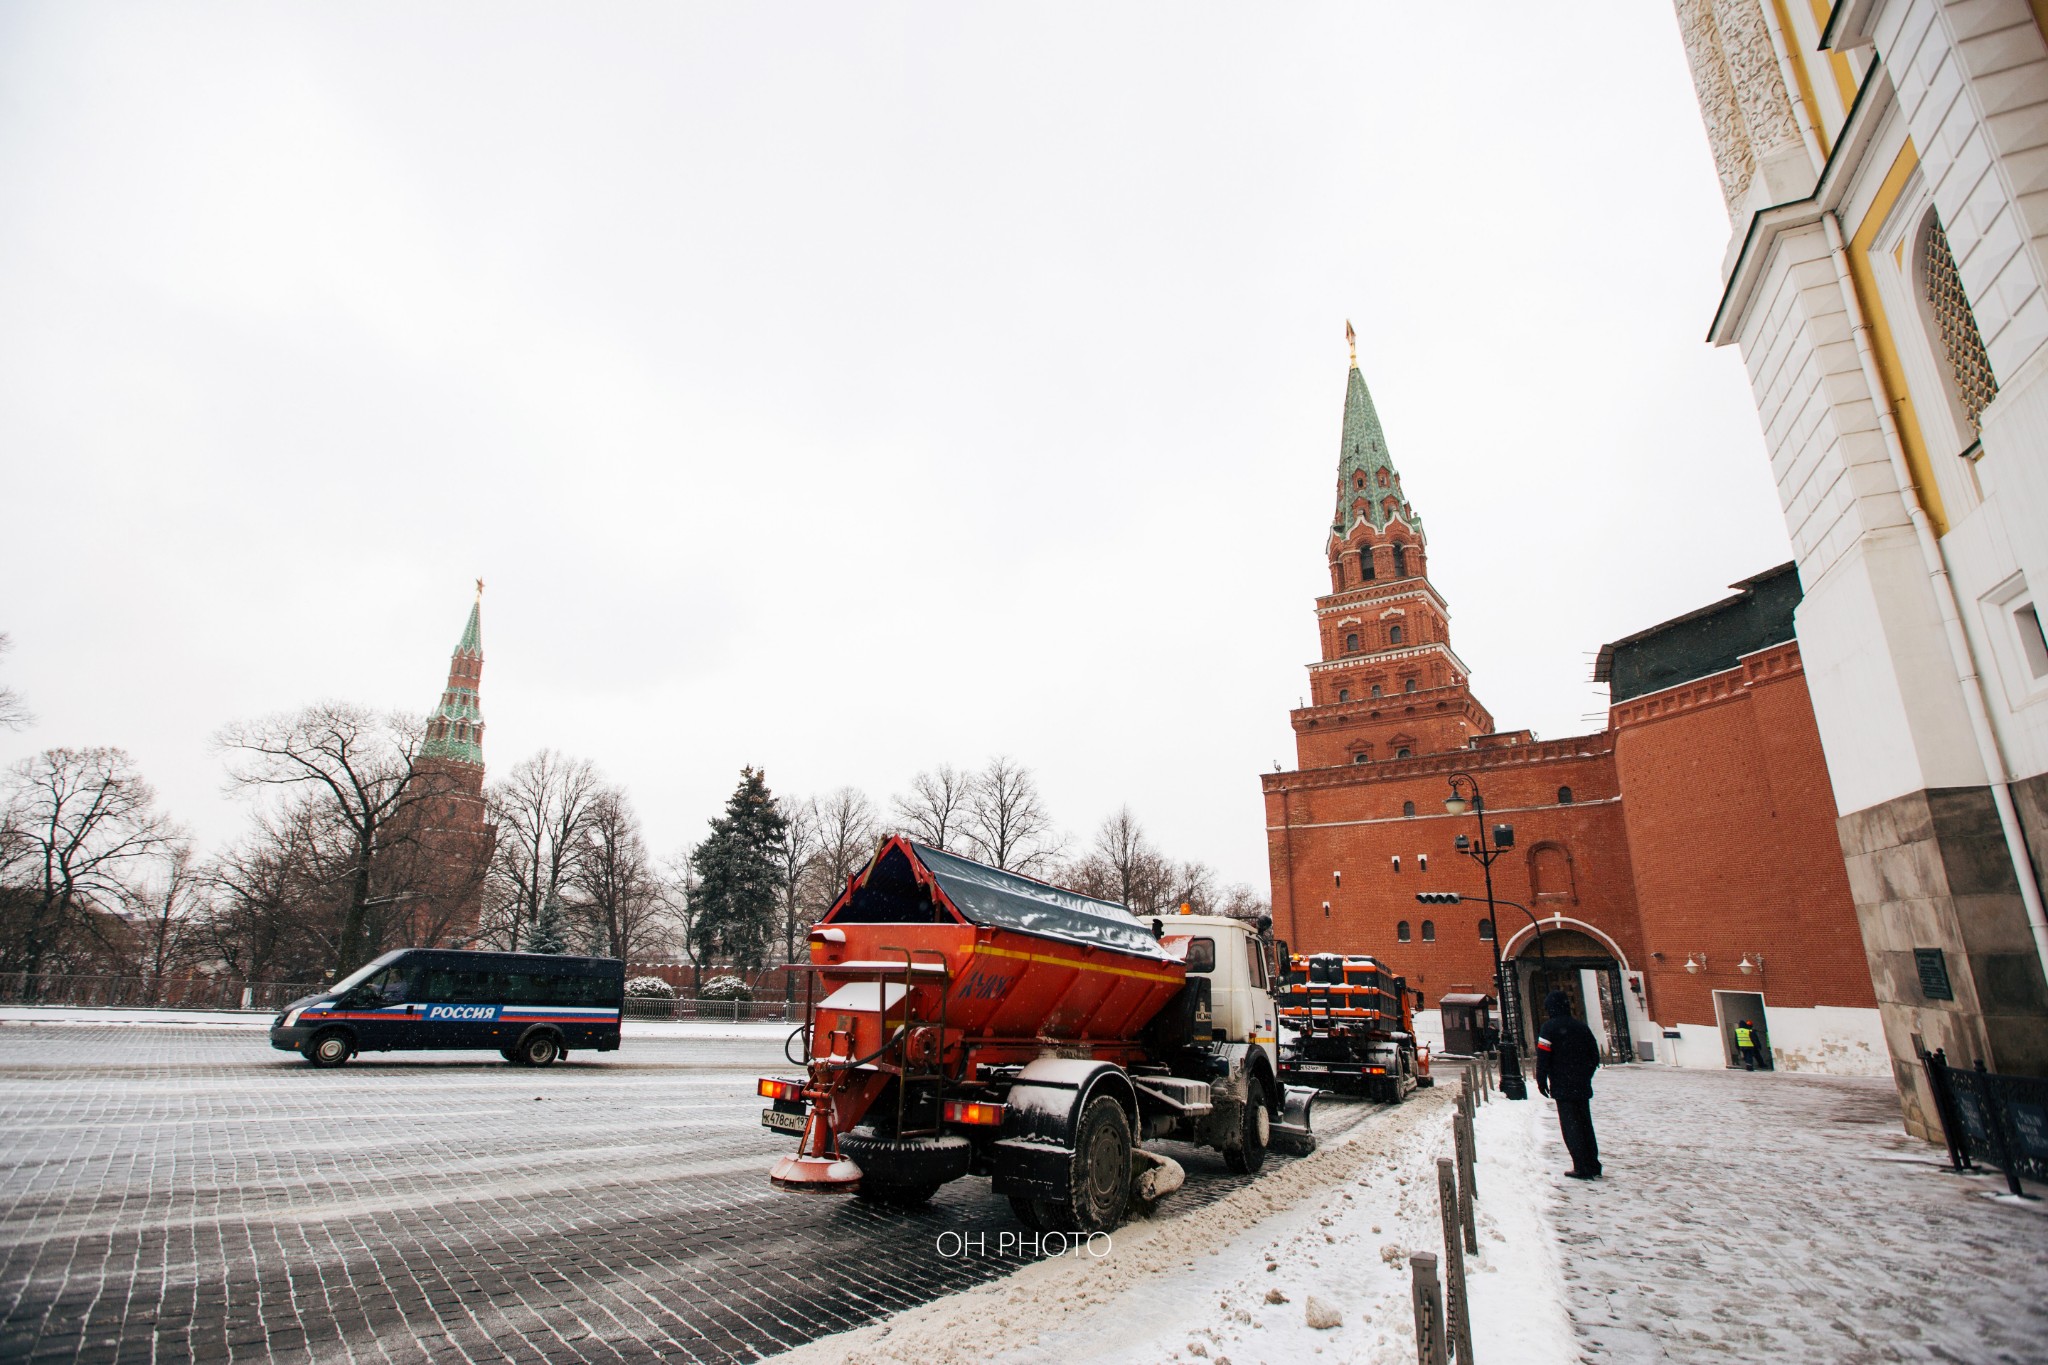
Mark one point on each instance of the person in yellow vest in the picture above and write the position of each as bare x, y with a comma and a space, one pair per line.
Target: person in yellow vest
1746, 1046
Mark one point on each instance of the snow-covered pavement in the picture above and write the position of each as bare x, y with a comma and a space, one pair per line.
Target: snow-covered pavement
1786, 1217
1232, 1283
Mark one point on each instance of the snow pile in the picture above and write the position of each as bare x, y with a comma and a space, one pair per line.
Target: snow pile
1309, 1261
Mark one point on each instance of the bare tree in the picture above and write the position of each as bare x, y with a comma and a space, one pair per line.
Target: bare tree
676, 891
1192, 884
1006, 821
543, 807
82, 826
270, 912
164, 920
356, 767
1122, 866
846, 832
934, 810
14, 713
611, 873
799, 858
1241, 902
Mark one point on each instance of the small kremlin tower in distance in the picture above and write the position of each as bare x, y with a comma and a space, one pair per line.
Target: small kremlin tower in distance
451, 829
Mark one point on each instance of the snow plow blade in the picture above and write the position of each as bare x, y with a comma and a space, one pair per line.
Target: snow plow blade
1291, 1134
815, 1175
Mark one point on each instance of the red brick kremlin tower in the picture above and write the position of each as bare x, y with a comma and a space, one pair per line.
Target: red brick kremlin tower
454, 839
1389, 685
1715, 891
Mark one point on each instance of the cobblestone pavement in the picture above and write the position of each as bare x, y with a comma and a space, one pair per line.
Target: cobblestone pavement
1784, 1217
175, 1194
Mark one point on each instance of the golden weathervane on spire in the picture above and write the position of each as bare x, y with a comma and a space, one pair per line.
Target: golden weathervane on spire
1350, 337
479, 589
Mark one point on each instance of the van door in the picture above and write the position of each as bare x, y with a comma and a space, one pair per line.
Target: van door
379, 1012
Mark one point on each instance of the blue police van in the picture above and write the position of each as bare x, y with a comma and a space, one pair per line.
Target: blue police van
530, 1007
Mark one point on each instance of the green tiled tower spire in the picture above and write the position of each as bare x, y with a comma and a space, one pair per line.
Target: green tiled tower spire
455, 730
1367, 482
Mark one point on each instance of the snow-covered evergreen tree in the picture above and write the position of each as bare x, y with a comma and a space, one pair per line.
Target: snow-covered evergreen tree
550, 931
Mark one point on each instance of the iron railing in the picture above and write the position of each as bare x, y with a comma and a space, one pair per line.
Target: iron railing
268, 997
2000, 1121
136, 992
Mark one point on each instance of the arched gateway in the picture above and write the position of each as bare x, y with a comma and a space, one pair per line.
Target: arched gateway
1581, 962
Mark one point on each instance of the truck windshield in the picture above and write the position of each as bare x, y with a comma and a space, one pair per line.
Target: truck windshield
1201, 954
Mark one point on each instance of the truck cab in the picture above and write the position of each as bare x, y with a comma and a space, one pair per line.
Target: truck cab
1235, 959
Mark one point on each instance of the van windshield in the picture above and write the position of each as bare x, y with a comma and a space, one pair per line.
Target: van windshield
362, 973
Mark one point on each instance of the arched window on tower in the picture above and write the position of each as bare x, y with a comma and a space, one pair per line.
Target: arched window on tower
1564, 796
1486, 931
1365, 569
1343, 694
1403, 753
1429, 931
1393, 635
1401, 931
1376, 689
1351, 643
1407, 807
1409, 686
1361, 758
1400, 561
1968, 363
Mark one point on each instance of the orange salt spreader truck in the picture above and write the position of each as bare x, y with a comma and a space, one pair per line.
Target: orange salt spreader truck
963, 1020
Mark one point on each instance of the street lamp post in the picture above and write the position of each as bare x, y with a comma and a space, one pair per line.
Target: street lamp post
1490, 845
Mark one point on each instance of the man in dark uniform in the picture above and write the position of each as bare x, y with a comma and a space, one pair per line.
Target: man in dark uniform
1566, 1058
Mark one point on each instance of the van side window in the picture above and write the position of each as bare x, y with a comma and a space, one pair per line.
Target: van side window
1202, 955
385, 988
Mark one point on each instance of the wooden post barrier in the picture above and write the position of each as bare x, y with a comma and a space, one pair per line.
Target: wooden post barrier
1458, 1309
1430, 1346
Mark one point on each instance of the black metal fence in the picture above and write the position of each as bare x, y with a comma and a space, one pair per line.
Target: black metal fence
144, 993
714, 1011
1992, 1120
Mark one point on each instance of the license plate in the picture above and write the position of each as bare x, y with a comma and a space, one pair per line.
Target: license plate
781, 1122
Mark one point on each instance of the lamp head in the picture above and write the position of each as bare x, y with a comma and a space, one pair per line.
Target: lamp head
1456, 804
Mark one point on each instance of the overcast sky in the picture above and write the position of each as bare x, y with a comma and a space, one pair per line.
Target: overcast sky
842, 388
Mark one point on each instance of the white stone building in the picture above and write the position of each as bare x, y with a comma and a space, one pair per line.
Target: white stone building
1885, 166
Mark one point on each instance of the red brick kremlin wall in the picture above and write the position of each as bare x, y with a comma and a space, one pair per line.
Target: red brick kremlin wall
1731, 828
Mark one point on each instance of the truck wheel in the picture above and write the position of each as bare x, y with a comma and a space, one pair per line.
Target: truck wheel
1248, 1154
538, 1049
1100, 1179
1026, 1210
331, 1048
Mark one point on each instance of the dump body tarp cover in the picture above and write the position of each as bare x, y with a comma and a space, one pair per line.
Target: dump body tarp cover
1004, 900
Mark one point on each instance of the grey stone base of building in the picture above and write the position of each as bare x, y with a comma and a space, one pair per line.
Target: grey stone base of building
1951, 956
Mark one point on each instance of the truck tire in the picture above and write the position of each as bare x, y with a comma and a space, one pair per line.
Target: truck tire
1248, 1153
329, 1048
905, 1171
895, 1196
1100, 1185
1026, 1209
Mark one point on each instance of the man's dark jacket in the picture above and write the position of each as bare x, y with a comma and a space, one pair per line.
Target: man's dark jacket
1566, 1055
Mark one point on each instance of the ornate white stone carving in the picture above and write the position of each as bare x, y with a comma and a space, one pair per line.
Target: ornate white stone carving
1727, 131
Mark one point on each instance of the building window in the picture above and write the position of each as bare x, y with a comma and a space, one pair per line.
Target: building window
1343, 694
1360, 758
1968, 361
1429, 931
1409, 686
1365, 569
2033, 643
1393, 635
1403, 753
1407, 807
1401, 931
1486, 931
1351, 643
1400, 561
1564, 796
1376, 689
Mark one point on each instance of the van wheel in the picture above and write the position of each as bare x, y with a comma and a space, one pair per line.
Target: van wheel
538, 1049
1248, 1153
331, 1048
509, 1054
